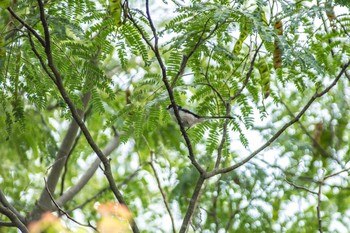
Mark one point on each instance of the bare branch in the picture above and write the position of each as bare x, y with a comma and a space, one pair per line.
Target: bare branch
163, 194
154, 31
65, 168
142, 33
319, 208
41, 60
69, 194
76, 116
14, 219
300, 187
317, 145
208, 81
151, 163
193, 204
44, 202
7, 204
336, 173
125, 181
64, 212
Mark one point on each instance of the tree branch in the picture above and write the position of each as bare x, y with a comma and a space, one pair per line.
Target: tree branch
300, 187
44, 202
65, 167
7, 204
75, 114
29, 28
74, 111
170, 91
14, 219
185, 58
279, 132
159, 185
64, 212
223, 139
336, 173
247, 77
192, 205
318, 208
125, 181
74, 190
163, 194
315, 143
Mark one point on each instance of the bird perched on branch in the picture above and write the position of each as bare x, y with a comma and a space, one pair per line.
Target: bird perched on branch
188, 118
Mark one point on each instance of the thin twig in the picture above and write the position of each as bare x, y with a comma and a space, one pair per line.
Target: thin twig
199, 42
65, 169
87, 201
208, 81
300, 177
247, 77
223, 139
300, 187
131, 18
317, 145
163, 194
41, 60
151, 163
63, 211
154, 31
279, 132
336, 173
103, 190
76, 140
319, 208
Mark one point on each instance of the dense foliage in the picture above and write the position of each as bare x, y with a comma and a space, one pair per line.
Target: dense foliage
83, 121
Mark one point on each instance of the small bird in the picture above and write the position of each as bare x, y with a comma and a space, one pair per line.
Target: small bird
188, 118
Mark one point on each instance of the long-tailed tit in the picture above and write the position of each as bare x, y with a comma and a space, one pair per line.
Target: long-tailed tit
188, 118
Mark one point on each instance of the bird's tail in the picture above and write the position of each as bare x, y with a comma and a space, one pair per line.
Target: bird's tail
217, 117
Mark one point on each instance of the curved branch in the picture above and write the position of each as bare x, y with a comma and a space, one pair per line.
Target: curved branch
29, 28
14, 219
7, 204
64, 212
279, 132
314, 141
74, 190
